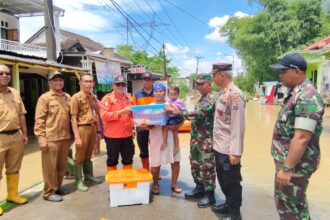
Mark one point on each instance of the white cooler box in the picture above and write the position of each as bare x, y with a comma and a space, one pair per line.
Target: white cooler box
129, 187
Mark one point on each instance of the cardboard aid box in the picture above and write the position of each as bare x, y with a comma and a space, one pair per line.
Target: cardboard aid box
129, 187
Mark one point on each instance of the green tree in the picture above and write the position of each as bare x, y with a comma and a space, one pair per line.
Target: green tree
280, 26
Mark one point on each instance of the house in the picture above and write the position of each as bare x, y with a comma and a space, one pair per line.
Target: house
318, 70
28, 62
83, 52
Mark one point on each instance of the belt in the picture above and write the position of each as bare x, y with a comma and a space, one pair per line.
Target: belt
9, 131
87, 124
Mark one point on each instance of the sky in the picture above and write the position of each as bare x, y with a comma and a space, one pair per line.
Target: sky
188, 28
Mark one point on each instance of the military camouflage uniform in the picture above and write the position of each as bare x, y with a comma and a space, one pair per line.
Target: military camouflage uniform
302, 109
201, 150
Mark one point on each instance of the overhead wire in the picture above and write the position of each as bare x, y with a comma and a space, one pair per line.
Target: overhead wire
127, 16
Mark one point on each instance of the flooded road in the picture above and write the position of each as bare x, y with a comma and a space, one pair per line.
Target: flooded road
257, 163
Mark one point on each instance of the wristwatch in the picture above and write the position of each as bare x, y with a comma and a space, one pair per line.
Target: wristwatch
285, 168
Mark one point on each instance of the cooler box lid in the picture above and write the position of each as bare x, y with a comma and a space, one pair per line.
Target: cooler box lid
128, 176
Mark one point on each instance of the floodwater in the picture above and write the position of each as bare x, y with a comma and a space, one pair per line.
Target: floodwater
257, 163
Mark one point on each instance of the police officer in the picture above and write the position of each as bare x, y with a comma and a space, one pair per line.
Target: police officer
13, 135
228, 134
295, 145
201, 149
52, 128
84, 118
144, 96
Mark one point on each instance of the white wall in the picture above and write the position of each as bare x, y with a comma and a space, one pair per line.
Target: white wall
12, 21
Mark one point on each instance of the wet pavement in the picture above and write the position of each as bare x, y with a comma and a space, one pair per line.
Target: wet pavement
257, 171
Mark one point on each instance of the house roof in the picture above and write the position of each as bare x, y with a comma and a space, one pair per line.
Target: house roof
75, 43
319, 44
21, 8
15, 58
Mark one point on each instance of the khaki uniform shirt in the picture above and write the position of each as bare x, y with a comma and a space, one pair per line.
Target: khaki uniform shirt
85, 107
229, 122
52, 118
11, 108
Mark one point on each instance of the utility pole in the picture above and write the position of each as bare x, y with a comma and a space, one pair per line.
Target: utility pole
194, 80
164, 60
50, 30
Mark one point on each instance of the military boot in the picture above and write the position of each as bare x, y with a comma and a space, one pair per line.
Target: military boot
207, 200
197, 193
79, 182
88, 172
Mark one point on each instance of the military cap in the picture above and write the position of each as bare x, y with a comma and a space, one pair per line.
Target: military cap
148, 75
291, 61
203, 77
54, 74
222, 67
119, 79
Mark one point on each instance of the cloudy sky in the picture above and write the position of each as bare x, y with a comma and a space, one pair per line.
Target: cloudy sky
188, 28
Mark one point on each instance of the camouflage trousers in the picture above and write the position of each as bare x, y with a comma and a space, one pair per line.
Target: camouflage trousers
202, 165
291, 201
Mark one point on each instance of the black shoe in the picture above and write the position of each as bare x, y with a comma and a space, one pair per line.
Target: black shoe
207, 200
233, 217
221, 208
197, 193
62, 191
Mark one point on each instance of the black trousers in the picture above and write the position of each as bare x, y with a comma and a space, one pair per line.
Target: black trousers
229, 177
142, 137
124, 146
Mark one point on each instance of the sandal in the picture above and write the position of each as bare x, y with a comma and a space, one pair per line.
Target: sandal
176, 189
155, 189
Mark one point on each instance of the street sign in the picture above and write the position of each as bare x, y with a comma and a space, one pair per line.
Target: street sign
140, 69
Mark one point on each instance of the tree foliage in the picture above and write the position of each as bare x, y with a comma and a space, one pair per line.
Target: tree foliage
153, 63
280, 26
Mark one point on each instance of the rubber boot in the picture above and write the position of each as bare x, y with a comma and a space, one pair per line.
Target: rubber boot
1, 211
79, 179
145, 163
12, 189
127, 167
70, 167
197, 193
88, 172
207, 200
112, 168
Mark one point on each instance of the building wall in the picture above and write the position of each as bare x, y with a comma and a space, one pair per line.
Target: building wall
8, 22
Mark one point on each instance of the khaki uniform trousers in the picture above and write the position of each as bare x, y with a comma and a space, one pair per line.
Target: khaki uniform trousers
54, 161
11, 152
88, 138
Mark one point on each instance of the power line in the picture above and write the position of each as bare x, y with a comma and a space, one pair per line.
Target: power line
191, 15
125, 15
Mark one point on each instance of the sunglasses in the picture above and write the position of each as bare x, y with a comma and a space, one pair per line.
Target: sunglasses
120, 84
4, 73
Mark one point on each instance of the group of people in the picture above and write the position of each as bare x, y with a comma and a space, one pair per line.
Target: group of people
216, 145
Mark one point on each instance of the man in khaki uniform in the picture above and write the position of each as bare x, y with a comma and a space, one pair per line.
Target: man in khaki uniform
84, 118
13, 135
228, 135
52, 127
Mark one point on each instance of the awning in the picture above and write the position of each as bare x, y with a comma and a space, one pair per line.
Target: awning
35, 63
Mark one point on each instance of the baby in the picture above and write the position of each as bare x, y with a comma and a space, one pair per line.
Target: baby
174, 119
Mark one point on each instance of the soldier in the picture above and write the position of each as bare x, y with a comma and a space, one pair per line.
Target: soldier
295, 145
228, 134
201, 149
144, 96
52, 128
84, 118
13, 135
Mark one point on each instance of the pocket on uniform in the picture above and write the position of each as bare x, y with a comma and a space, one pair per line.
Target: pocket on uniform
53, 106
